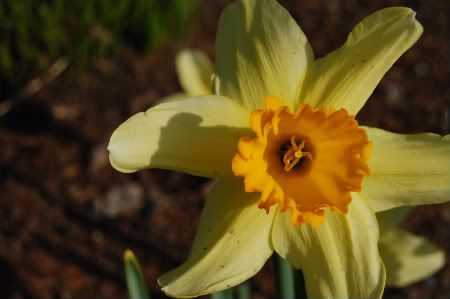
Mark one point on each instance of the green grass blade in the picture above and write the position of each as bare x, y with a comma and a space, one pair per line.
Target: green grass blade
135, 279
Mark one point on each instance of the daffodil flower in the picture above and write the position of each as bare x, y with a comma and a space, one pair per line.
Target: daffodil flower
296, 173
407, 258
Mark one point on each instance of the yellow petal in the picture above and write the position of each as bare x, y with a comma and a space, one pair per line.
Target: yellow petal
339, 258
173, 97
198, 135
407, 170
260, 51
194, 69
408, 258
232, 244
346, 77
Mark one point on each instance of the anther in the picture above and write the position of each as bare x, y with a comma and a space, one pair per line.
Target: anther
294, 154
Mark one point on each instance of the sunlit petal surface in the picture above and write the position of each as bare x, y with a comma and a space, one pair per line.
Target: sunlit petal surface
194, 69
196, 135
346, 77
339, 258
260, 51
232, 244
407, 170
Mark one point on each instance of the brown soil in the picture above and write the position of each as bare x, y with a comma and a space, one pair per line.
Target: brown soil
66, 216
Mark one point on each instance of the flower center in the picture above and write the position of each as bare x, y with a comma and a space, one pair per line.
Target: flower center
293, 154
306, 162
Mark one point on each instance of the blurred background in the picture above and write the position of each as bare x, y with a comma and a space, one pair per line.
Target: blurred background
72, 71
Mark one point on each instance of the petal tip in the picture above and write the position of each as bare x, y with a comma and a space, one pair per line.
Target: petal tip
116, 165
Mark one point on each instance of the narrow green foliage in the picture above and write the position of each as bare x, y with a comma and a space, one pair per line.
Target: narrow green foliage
284, 278
225, 294
243, 291
36, 33
135, 279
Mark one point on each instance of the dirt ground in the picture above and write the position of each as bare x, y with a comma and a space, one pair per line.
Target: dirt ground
66, 216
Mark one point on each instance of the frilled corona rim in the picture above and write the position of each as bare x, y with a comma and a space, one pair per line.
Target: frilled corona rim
305, 161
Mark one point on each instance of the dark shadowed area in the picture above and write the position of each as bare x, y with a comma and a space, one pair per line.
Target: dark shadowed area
66, 216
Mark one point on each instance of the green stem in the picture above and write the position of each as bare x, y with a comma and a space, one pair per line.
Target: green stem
284, 278
244, 291
225, 294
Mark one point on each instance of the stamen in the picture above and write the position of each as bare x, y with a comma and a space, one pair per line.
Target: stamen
293, 155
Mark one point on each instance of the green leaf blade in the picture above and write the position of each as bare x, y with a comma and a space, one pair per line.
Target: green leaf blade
135, 279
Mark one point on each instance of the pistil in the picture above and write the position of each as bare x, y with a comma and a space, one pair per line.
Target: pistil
294, 154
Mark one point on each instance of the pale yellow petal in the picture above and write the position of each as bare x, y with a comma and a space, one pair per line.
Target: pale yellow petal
194, 69
407, 170
260, 51
346, 77
340, 258
173, 97
232, 244
408, 258
198, 135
